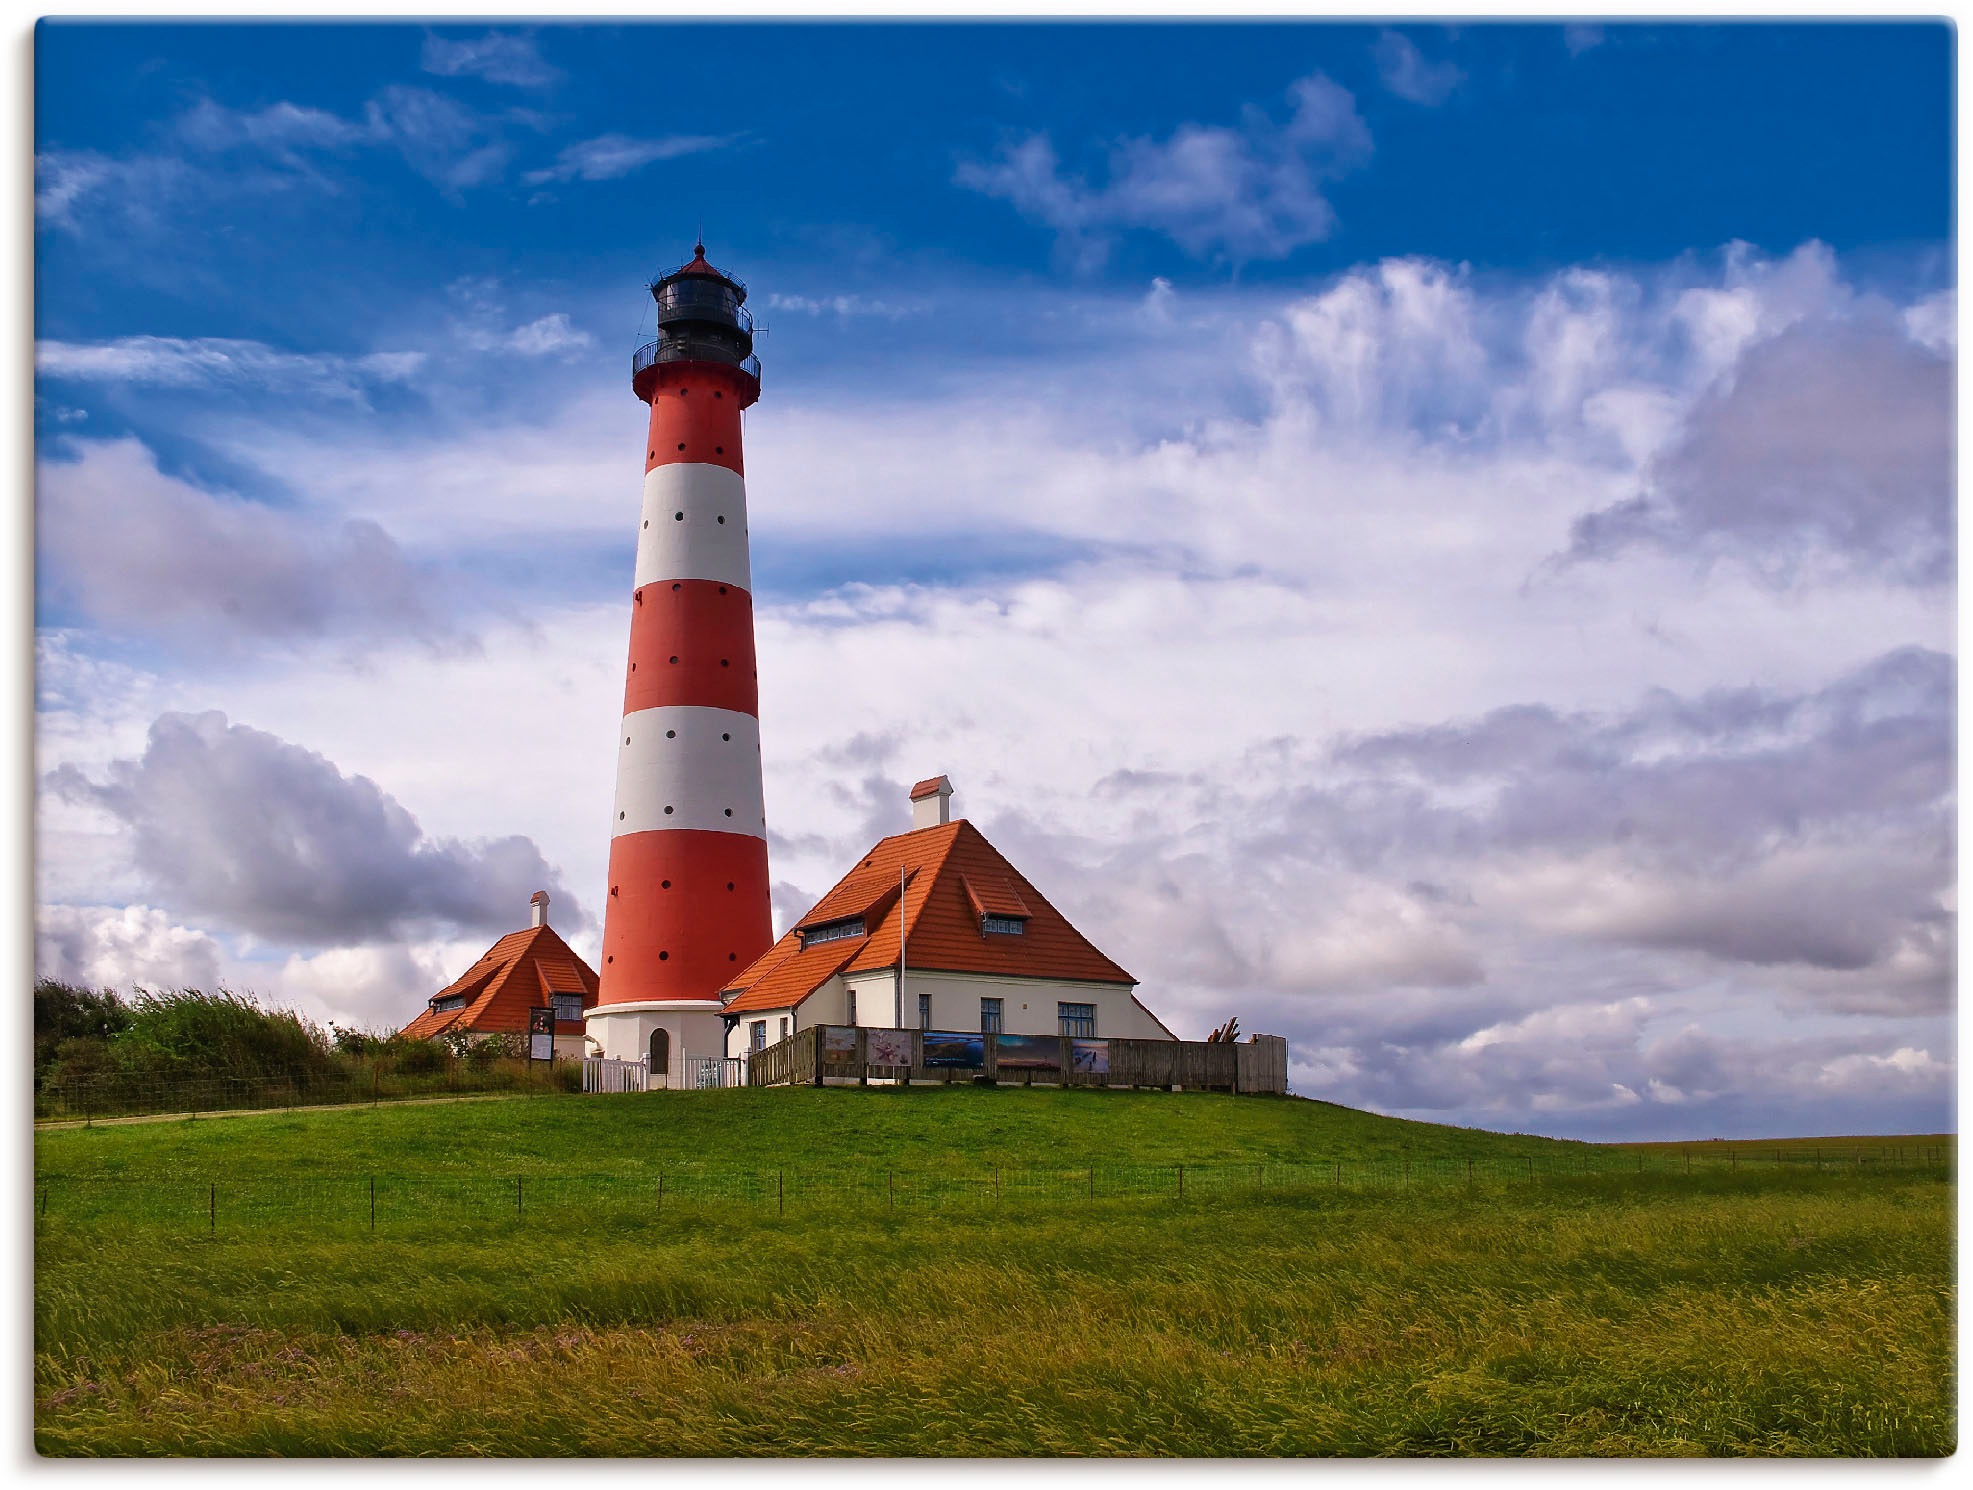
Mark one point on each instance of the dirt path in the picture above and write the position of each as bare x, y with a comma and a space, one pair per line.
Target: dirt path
50, 1124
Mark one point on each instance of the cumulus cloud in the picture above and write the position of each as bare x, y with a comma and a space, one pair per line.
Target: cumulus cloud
510, 57
607, 157
1829, 450
143, 553
1409, 75
265, 837
122, 947
1255, 192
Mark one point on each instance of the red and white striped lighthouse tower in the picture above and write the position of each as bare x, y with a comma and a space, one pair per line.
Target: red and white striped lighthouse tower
688, 897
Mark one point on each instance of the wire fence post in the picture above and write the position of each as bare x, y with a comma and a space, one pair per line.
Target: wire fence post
1181, 1182
517, 1197
212, 1209
373, 1202
44, 1202
781, 1192
996, 1182
1528, 1159
1469, 1173
661, 1192
890, 1185
1092, 1182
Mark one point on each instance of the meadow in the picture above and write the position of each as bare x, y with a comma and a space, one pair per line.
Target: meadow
1549, 1300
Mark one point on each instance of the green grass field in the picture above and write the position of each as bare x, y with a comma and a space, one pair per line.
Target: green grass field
1522, 1306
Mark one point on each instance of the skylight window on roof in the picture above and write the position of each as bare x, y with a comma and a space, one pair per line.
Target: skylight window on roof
832, 931
1003, 926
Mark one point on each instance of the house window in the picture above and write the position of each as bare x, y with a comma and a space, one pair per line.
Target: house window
568, 1006
1077, 1019
832, 931
1003, 926
441, 1006
924, 1011
784, 1027
757, 1035
990, 1016
852, 1006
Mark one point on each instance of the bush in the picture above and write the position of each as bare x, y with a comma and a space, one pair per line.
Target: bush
64, 1014
192, 1032
414, 1057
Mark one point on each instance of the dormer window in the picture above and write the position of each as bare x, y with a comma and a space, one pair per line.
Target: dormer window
1003, 926
568, 1007
831, 931
446, 1005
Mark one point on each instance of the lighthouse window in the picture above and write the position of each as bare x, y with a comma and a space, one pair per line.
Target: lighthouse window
1003, 926
832, 931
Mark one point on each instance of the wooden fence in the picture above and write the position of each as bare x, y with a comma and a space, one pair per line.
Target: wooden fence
825, 1054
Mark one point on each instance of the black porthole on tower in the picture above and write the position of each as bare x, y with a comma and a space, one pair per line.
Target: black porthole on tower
729, 812
670, 734
678, 517
681, 444
647, 522
719, 450
609, 959
664, 957
619, 817
732, 956
667, 812
729, 884
677, 586
722, 522
723, 737
723, 662
722, 589
674, 659
664, 884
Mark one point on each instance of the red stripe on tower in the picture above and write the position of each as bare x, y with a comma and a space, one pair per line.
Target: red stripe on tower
688, 896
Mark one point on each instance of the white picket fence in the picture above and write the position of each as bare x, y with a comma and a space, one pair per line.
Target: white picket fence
600, 1075
688, 1073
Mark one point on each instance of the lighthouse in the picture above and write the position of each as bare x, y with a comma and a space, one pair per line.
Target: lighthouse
687, 906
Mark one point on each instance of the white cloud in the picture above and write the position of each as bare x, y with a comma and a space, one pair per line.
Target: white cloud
182, 362
1407, 74
507, 57
607, 157
144, 554
122, 947
1248, 193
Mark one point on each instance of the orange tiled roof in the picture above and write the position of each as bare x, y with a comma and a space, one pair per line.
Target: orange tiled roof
955, 877
516, 973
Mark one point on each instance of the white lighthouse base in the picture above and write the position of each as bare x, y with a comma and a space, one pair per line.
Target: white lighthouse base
673, 1035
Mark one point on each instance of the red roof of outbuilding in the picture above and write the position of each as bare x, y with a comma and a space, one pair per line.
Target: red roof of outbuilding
516, 974
954, 876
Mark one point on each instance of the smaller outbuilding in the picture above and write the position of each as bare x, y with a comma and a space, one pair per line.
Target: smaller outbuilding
524, 970
934, 930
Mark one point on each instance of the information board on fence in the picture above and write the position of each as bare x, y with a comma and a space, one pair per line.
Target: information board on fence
887, 1047
541, 1034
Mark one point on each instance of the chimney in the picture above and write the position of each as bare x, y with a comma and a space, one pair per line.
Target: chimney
931, 803
539, 901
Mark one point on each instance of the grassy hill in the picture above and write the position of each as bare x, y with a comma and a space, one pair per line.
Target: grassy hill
1729, 1311
910, 1127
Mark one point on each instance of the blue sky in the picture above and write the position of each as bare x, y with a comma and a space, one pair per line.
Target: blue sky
1262, 463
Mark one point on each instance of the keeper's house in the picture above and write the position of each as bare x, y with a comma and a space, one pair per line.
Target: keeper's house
933, 929
532, 969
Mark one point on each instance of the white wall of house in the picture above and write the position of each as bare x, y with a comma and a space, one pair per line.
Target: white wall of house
1028, 1006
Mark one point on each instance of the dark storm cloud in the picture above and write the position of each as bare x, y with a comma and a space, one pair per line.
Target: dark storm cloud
1830, 452
258, 835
